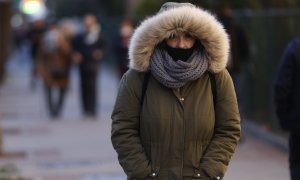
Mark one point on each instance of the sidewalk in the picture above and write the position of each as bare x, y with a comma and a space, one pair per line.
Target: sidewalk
73, 147
76, 148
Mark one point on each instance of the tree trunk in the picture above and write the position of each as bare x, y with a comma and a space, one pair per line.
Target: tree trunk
5, 34
5, 37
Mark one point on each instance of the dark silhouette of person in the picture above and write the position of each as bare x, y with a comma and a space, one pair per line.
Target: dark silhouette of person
287, 102
238, 39
239, 48
121, 44
35, 34
88, 47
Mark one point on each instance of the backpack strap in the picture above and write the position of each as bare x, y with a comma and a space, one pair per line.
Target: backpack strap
213, 84
145, 85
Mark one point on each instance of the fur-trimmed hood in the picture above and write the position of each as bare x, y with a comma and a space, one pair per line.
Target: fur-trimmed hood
198, 22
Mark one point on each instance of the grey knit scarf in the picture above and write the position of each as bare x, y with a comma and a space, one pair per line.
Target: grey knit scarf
175, 74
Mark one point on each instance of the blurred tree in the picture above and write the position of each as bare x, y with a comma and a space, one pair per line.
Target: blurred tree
274, 4
5, 35
113, 7
146, 7
67, 8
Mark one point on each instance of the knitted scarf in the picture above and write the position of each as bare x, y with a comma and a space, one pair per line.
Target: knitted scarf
175, 74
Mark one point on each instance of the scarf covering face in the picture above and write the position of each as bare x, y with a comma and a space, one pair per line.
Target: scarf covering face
179, 53
175, 74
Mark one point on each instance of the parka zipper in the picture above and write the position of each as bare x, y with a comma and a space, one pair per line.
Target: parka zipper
181, 99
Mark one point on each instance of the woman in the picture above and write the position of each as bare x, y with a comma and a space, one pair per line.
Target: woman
174, 130
54, 61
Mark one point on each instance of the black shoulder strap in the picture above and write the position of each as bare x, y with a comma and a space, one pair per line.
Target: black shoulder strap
213, 87
145, 85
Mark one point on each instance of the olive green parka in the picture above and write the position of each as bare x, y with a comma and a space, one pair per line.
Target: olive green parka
176, 133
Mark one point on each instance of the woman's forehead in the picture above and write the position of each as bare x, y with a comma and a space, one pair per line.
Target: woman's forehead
181, 33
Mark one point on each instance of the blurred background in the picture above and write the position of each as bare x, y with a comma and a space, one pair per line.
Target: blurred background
264, 28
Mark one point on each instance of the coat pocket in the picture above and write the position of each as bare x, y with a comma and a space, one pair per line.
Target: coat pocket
153, 154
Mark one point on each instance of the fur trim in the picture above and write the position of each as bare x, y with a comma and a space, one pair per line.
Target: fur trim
194, 20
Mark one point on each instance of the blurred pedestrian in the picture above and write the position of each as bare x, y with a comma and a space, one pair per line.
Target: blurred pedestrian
88, 51
35, 33
287, 102
238, 43
176, 114
239, 48
54, 61
121, 45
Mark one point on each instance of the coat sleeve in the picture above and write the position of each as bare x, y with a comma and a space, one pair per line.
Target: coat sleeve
283, 84
227, 129
125, 128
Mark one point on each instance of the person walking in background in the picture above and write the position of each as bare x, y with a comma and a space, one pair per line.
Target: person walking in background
121, 45
54, 61
176, 114
239, 49
238, 44
287, 102
35, 34
88, 50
